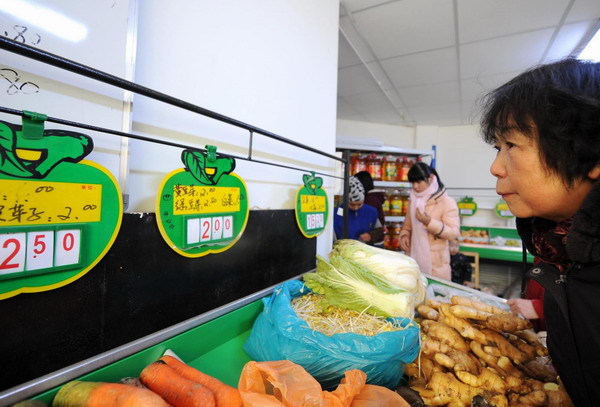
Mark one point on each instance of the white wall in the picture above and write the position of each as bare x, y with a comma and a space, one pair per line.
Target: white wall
271, 64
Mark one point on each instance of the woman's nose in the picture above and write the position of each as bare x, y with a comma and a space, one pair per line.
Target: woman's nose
497, 168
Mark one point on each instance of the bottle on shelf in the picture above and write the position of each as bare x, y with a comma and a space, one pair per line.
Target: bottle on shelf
387, 239
358, 164
395, 236
405, 204
389, 168
403, 175
374, 167
396, 203
385, 205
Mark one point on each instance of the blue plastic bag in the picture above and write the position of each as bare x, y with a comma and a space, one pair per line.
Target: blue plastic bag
279, 334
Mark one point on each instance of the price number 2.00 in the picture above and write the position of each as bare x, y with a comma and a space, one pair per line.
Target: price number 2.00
39, 250
208, 230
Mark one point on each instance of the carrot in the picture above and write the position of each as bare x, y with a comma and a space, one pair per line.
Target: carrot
99, 394
225, 395
174, 388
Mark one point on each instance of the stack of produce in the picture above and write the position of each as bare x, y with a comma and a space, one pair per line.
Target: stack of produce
474, 350
163, 383
170, 382
367, 279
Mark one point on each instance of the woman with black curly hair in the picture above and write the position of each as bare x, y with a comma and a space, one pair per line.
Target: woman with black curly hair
545, 126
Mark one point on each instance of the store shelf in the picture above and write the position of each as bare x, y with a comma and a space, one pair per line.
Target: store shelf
340, 146
486, 251
391, 184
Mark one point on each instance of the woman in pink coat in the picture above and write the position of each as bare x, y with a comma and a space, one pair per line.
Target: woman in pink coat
431, 221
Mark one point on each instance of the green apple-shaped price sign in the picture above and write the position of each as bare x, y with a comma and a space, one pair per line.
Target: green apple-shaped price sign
502, 210
202, 208
467, 206
312, 207
59, 214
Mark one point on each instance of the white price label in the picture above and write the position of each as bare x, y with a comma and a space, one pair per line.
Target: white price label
209, 229
12, 253
38, 250
68, 247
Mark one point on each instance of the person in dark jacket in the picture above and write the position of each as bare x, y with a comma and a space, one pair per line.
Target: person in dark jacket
373, 197
460, 265
545, 126
363, 223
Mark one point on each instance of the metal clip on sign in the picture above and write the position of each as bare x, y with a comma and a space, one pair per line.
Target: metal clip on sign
33, 125
211, 153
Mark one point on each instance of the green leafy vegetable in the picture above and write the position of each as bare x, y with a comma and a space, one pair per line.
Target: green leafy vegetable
398, 269
351, 286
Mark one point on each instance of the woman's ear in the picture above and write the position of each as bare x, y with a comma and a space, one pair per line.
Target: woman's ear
594, 173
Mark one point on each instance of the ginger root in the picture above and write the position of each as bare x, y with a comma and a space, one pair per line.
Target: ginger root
507, 323
486, 380
540, 369
428, 312
557, 396
445, 334
459, 300
447, 388
464, 311
458, 361
471, 349
532, 399
505, 347
464, 327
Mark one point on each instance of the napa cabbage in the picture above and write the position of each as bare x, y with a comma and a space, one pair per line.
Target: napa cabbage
347, 284
397, 268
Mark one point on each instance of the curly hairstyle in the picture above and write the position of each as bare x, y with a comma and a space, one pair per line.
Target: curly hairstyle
559, 103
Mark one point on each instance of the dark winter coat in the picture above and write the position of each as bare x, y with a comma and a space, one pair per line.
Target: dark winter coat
375, 198
572, 303
461, 268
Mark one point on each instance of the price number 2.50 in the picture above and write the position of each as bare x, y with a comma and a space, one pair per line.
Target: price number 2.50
37, 251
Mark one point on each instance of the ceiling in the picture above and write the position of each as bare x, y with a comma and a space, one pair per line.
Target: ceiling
427, 62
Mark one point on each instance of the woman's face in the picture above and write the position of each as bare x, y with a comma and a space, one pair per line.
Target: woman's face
356, 205
421, 186
527, 186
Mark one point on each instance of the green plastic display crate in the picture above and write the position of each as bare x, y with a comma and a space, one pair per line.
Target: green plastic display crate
212, 342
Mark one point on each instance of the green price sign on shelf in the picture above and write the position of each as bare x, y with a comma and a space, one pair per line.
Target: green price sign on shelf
467, 206
312, 207
59, 214
503, 211
202, 208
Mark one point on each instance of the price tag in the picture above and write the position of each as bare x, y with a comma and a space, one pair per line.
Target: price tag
312, 206
202, 208
12, 253
503, 211
39, 251
467, 206
51, 199
68, 247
